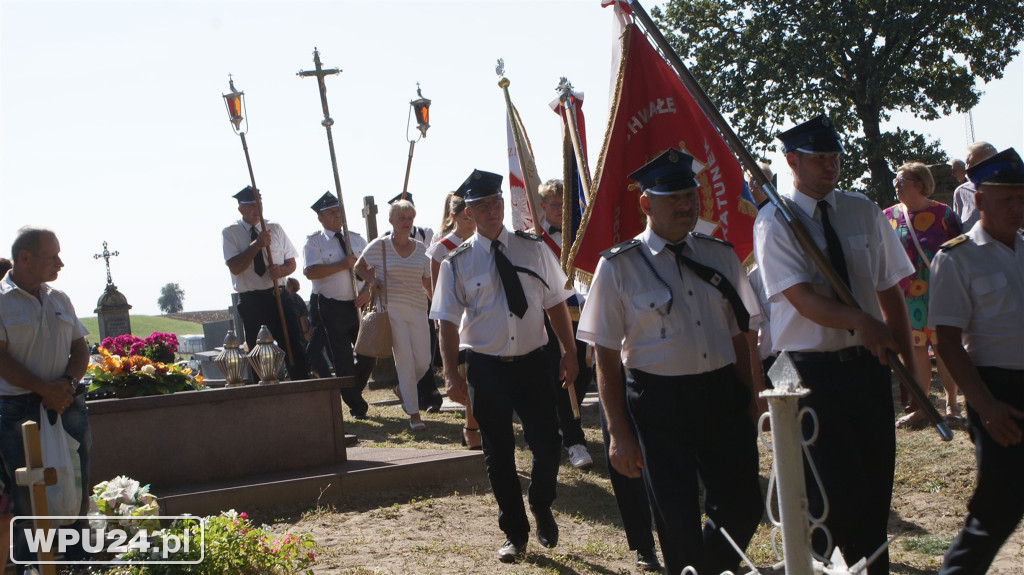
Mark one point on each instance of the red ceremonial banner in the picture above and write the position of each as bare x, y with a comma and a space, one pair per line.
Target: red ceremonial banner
651, 112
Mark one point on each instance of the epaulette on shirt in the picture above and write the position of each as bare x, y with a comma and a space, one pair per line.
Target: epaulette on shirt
462, 247
954, 242
312, 235
528, 235
620, 248
712, 238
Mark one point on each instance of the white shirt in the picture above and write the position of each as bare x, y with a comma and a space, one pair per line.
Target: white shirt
875, 260
469, 282
764, 325
964, 206
628, 307
237, 238
38, 332
404, 278
323, 248
978, 286
438, 249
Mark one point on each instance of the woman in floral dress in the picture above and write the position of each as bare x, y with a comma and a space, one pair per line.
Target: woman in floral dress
932, 223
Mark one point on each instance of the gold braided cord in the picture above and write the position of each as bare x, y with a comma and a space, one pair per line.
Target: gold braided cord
583, 275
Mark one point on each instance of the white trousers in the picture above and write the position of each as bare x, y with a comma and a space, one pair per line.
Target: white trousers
410, 341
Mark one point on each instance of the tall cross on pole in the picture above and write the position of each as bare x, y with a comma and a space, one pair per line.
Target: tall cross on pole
320, 74
106, 255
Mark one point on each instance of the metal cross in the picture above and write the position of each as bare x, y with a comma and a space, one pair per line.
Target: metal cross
106, 255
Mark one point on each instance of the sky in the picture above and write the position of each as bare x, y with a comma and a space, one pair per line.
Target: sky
113, 126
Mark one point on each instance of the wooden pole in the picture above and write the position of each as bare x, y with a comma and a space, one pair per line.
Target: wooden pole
270, 258
799, 232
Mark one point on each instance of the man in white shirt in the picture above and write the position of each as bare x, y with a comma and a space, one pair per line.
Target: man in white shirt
976, 307
499, 286
963, 196
839, 350
43, 353
328, 264
674, 308
252, 276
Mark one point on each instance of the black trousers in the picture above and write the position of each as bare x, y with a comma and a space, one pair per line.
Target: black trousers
342, 325
571, 428
496, 389
630, 497
997, 506
259, 308
689, 426
317, 343
855, 453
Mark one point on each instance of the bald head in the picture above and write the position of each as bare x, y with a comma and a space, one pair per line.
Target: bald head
979, 152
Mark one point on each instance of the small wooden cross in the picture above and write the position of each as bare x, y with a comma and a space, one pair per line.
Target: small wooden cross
36, 478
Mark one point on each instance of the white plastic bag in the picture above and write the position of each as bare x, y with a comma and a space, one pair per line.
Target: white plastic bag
60, 451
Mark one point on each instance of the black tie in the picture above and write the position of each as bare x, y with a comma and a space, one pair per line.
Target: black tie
341, 240
717, 280
509, 281
833, 245
554, 230
258, 265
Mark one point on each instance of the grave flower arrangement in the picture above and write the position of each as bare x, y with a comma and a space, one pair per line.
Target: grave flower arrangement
123, 498
133, 367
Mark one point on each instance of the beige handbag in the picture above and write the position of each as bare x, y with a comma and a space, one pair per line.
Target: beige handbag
374, 338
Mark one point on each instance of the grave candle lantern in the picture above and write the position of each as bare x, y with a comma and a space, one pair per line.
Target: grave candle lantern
231, 360
266, 358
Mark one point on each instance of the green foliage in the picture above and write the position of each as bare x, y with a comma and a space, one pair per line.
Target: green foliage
234, 546
172, 298
768, 65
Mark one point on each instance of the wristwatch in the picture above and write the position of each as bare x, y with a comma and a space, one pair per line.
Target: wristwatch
70, 379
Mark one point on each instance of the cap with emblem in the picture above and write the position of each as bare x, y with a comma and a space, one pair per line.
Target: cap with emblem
1002, 169
480, 185
408, 197
814, 136
246, 196
326, 202
671, 172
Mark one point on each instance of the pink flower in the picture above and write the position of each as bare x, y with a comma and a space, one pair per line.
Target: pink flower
243, 515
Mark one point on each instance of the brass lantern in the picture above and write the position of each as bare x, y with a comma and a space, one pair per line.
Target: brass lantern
421, 109
231, 361
266, 358
234, 101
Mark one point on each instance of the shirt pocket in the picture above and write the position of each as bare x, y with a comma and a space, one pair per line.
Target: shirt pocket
479, 292
651, 314
859, 255
991, 295
20, 326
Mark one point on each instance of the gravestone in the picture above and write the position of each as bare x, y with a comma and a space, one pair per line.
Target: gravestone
112, 313
112, 307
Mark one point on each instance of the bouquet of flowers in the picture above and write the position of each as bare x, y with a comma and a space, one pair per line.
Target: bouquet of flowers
157, 347
132, 367
123, 497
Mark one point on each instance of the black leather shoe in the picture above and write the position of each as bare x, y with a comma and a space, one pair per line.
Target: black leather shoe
547, 529
510, 551
648, 560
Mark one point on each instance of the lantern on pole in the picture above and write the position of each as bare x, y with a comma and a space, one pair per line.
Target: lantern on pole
420, 108
234, 101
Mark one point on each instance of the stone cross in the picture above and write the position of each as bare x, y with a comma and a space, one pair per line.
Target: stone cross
106, 255
36, 478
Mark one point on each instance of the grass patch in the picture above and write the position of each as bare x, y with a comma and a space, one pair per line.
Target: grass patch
143, 325
928, 544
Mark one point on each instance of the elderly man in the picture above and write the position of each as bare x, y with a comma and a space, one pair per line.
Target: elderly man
492, 294
674, 307
839, 351
43, 353
963, 195
245, 246
977, 302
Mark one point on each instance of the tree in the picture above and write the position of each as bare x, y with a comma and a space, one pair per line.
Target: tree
767, 65
172, 298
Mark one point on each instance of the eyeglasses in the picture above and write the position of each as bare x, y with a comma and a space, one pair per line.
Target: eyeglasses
903, 180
